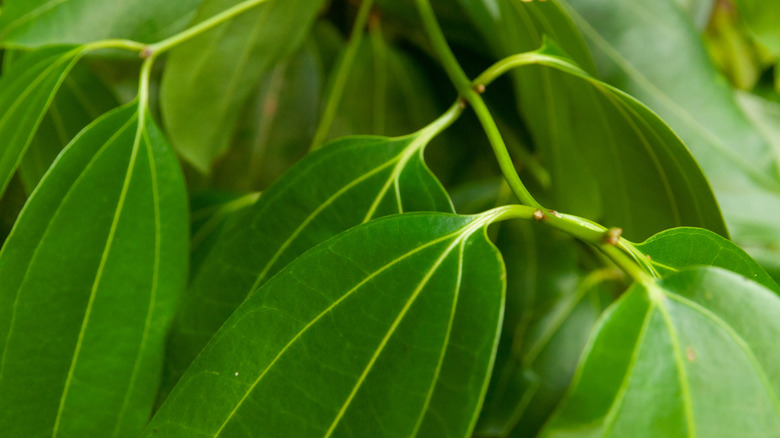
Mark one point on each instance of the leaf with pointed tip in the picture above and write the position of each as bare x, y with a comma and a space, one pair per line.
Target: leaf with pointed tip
208, 79
81, 99
678, 248
682, 357
343, 184
388, 340
89, 280
35, 23
26, 90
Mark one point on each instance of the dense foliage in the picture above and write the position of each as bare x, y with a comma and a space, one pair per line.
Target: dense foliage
218, 218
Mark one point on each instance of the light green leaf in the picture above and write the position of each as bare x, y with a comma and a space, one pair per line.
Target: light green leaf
388, 340
89, 280
698, 10
81, 99
34, 23
209, 78
693, 98
683, 357
26, 90
341, 185
760, 18
675, 249
647, 179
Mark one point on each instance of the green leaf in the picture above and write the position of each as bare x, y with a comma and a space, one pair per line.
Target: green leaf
209, 78
211, 214
693, 98
647, 179
341, 185
34, 23
387, 93
89, 280
672, 250
680, 358
81, 99
549, 312
26, 90
699, 11
760, 18
392, 339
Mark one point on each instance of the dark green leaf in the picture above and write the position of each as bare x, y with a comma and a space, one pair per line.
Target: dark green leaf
341, 185
393, 339
212, 213
81, 99
89, 280
26, 90
209, 78
550, 310
681, 358
672, 250
34, 23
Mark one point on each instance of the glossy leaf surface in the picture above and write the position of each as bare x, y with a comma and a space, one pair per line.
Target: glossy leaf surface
81, 99
209, 78
34, 23
26, 90
680, 358
392, 339
89, 280
341, 185
672, 250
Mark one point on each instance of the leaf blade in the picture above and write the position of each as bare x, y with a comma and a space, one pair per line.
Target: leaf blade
433, 242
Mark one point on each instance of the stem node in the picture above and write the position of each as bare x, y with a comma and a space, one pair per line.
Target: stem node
612, 236
539, 215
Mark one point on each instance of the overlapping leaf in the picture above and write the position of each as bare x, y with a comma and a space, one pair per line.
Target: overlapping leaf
697, 103
684, 357
675, 249
26, 91
44, 22
550, 311
209, 78
387, 340
89, 280
343, 184
81, 99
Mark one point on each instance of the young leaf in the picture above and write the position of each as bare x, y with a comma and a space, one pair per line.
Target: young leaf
81, 99
341, 185
675, 249
26, 90
683, 358
89, 280
37, 23
208, 79
398, 343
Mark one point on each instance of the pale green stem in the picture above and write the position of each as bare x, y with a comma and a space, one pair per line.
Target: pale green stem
464, 88
201, 27
579, 228
133, 46
341, 74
